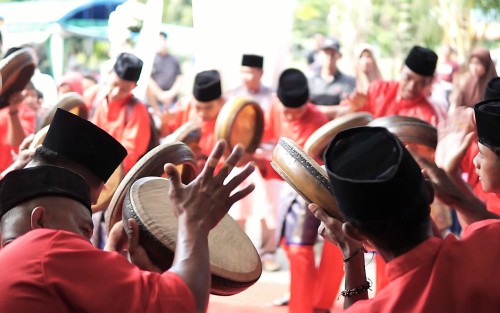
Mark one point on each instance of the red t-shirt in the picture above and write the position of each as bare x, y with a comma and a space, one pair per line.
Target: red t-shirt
383, 100
130, 126
57, 271
444, 275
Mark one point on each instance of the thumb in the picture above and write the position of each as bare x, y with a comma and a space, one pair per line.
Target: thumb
174, 176
318, 212
133, 234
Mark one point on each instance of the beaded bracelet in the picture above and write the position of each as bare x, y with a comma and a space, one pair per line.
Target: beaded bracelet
357, 290
362, 249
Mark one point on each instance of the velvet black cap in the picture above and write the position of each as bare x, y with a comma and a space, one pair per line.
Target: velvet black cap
207, 86
492, 89
41, 181
128, 67
422, 61
372, 175
293, 89
488, 122
85, 143
252, 60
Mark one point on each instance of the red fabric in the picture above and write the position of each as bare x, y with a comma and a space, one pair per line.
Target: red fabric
302, 278
132, 130
5, 147
297, 130
492, 200
329, 276
28, 119
383, 100
185, 112
380, 278
58, 271
444, 275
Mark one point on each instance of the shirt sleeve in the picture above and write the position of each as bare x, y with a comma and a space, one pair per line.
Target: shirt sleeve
90, 280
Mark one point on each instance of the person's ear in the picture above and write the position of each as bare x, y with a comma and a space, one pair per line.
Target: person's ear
353, 232
38, 216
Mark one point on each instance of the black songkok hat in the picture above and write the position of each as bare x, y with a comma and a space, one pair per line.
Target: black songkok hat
372, 175
488, 122
207, 86
252, 60
128, 67
41, 181
85, 143
293, 90
492, 89
422, 61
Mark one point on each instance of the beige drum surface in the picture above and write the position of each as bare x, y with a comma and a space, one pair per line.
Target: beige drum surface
235, 263
71, 102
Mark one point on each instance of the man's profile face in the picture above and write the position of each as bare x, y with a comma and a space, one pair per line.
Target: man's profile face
487, 164
411, 84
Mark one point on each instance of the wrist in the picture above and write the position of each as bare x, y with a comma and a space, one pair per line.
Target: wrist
13, 112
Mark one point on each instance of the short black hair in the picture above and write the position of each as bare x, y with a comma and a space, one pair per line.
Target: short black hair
164, 35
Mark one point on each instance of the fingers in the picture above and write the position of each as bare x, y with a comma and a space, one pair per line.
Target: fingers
133, 235
26, 142
318, 212
237, 196
238, 179
174, 176
213, 159
116, 237
230, 163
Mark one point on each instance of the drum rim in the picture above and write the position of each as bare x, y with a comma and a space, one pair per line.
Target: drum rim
26, 59
67, 102
231, 109
114, 211
319, 139
312, 169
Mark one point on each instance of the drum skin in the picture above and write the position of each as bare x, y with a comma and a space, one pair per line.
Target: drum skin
234, 262
71, 102
321, 138
241, 120
409, 130
305, 175
151, 164
16, 71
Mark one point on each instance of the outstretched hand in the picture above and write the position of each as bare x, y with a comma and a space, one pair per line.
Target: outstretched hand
207, 199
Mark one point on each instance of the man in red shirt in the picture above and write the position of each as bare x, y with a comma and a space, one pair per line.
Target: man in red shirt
426, 273
294, 117
53, 268
121, 114
406, 97
202, 107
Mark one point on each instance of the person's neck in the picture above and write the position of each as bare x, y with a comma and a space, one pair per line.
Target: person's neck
329, 72
389, 254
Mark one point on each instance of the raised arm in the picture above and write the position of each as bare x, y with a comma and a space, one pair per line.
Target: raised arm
200, 206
